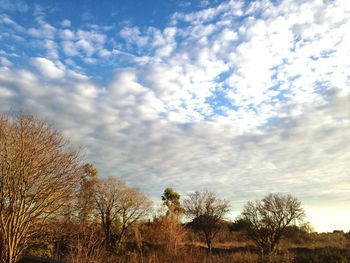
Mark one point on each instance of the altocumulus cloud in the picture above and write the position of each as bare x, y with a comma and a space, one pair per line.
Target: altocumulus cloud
239, 98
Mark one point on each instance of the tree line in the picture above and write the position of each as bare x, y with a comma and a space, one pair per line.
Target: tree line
50, 197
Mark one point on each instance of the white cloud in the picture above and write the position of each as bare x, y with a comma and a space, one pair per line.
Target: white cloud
14, 6
67, 34
133, 36
5, 62
6, 20
44, 30
52, 49
66, 23
5, 92
47, 68
104, 53
84, 44
69, 48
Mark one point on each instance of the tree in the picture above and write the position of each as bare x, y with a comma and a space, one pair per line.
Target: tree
39, 172
268, 219
207, 212
133, 206
86, 200
171, 199
166, 232
119, 206
107, 202
171, 231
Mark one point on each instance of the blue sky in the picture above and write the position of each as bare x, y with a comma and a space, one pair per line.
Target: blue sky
239, 97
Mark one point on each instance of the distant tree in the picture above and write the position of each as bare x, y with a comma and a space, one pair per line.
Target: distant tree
298, 233
206, 212
120, 207
171, 199
347, 235
39, 174
239, 225
268, 219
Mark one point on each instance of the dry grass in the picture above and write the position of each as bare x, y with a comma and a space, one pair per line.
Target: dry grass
320, 248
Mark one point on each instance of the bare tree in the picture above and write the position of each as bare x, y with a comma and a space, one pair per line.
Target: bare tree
38, 173
121, 206
107, 202
269, 217
133, 206
207, 212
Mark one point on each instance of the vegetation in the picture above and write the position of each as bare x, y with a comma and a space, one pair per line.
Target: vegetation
171, 199
39, 174
54, 205
207, 212
269, 218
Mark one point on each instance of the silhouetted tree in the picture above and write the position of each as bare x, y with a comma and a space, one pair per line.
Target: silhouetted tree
206, 212
268, 219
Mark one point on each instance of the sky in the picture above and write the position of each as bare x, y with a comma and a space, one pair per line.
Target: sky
242, 98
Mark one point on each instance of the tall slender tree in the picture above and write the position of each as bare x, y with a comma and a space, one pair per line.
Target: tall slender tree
87, 191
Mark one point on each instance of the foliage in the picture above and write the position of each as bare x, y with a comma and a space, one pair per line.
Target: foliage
171, 199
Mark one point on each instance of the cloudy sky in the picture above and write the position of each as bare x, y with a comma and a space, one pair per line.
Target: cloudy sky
238, 97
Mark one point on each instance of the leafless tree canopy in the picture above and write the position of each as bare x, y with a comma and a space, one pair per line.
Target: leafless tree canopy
38, 172
117, 202
269, 217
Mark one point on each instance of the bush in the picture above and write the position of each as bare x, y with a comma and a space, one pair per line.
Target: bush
322, 255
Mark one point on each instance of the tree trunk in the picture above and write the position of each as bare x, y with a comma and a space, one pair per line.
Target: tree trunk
208, 239
9, 250
107, 229
120, 237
